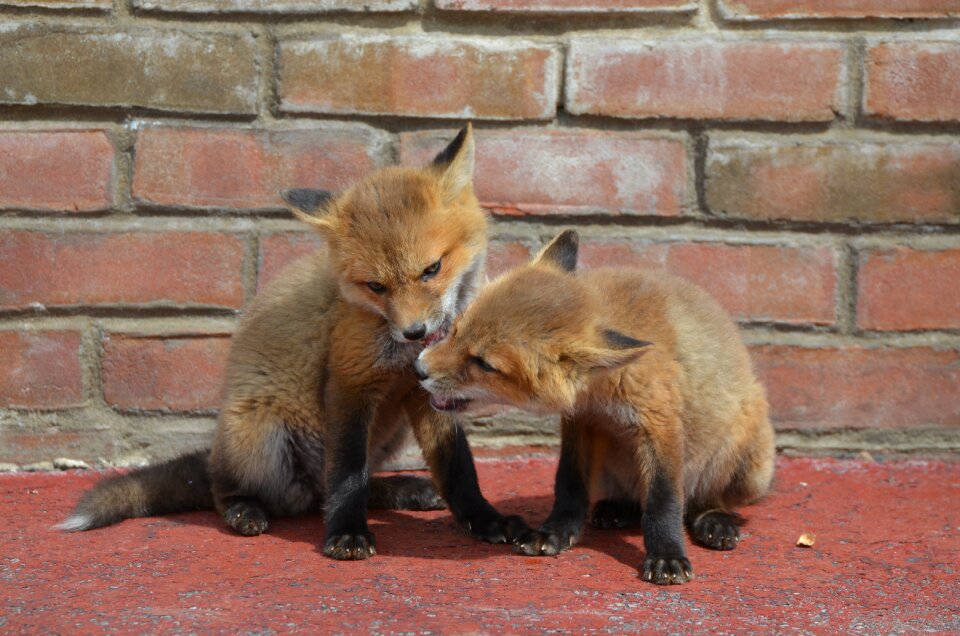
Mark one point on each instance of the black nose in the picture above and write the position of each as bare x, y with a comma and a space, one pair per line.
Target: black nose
419, 370
415, 332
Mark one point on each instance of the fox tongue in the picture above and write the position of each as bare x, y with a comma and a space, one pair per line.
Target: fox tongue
443, 403
435, 337
439, 402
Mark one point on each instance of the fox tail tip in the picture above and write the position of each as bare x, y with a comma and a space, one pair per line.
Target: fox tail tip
74, 523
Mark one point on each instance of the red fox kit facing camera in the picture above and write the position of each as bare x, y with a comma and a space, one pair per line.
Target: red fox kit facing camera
662, 419
320, 385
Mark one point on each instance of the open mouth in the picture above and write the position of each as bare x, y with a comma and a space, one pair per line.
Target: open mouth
436, 336
447, 403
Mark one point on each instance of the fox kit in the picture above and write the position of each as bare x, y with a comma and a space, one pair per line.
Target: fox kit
320, 384
657, 434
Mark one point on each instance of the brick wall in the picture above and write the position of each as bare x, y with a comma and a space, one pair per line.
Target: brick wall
799, 158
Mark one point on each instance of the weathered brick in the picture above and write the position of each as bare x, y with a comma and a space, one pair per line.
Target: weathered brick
806, 9
40, 369
170, 373
761, 283
505, 255
150, 68
622, 253
27, 444
857, 387
102, 5
570, 171
56, 170
274, 6
63, 269
913, 81
904, 288
419, 76
185, 166
568, 6
705, 79
804, 179
279, 250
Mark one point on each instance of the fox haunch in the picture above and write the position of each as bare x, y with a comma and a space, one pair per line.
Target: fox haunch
662, 418
320, 388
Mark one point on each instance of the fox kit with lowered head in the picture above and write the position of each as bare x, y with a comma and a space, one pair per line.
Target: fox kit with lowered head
662, 418
320, 386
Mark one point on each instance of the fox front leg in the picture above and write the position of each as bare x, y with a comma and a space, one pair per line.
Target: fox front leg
445, 447
564, 525
666, 562
347, 478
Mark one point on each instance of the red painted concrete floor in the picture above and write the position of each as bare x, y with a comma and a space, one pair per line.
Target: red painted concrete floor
886, 560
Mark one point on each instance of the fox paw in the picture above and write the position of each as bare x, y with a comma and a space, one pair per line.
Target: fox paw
667, 569
716, 530
498, 529
350, 547
404, 492
546, 542
616, 513
246, 518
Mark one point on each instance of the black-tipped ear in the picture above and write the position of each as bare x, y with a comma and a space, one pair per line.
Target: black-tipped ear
455, 164
310, 206
619, 341
306, 200
562, 251
616, 350
446, 156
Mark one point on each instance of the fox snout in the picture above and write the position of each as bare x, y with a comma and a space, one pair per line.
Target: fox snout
415, 331
420, 370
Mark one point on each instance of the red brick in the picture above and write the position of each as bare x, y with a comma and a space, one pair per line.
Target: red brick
804, 9
419, 76
172, 373
27, 444
279, 250
760, 283
903, 289
56, 170
622, 253
704, 79
570, 171
274, 6
805, 179
503, 256
185, 166
162, 268
855, 387
913, 81
102, 5
176, 69
567, 6
40, 369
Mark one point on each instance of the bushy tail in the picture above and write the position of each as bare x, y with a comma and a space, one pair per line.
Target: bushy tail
177, 485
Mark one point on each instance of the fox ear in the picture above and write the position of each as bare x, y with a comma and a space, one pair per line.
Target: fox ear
562, 251
309, 205
616, 350
455, 164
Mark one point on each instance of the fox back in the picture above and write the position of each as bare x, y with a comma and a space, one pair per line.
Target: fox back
660, 407
320, 389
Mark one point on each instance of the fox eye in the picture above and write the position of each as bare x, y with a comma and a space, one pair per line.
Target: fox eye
483, 364
376, 288
431, 271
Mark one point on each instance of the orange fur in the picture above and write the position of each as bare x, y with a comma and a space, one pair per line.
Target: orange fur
686, 408
320, 389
